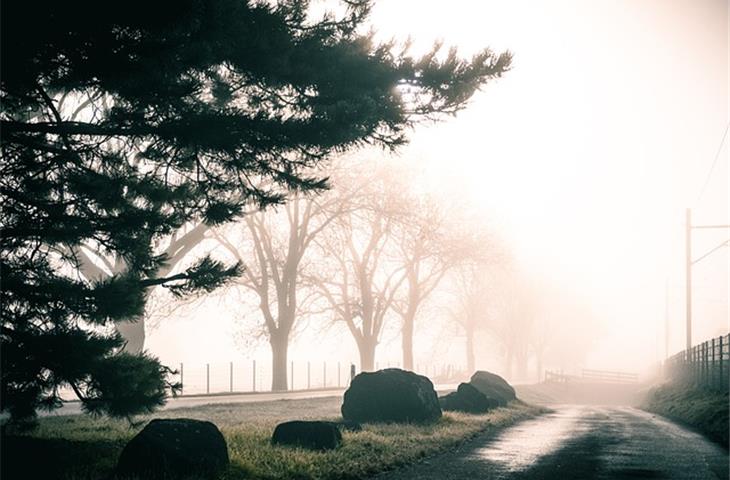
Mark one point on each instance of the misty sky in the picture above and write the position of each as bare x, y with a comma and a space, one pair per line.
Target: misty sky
584, 157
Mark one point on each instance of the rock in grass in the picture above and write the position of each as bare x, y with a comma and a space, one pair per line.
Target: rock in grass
308, 434
493, 386
175, 448
391, 395
348, 425
467, 399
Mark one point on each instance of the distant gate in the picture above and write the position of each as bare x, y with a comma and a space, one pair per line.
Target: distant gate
592, 376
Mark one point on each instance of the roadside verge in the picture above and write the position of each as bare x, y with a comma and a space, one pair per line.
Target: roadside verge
702, 409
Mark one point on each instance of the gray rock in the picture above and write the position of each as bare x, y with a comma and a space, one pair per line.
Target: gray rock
467, 399
175, 448
308, 434
493, 386
391, 395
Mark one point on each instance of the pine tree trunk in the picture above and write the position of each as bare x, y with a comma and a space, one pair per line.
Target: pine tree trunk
367, 354
279, 355
133, 333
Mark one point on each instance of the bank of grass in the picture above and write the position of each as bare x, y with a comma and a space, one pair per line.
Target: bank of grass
702, 409
82, 448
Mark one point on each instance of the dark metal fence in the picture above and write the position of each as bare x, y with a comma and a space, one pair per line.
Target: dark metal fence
706, 364
255, 376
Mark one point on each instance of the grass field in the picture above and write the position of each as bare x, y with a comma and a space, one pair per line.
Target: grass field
705, 410
81, 448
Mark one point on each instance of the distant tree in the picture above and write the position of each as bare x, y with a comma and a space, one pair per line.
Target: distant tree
429, 243
272, 249
473, 286
198, 108
359, 277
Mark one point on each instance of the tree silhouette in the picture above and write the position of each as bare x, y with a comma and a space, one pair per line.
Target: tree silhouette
193, 110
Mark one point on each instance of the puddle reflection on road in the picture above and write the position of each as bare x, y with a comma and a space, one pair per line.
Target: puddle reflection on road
522, 445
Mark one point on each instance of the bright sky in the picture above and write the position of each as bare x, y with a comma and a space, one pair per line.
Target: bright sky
589, 150
585, 155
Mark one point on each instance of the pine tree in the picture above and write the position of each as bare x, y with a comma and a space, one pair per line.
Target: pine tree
121, 124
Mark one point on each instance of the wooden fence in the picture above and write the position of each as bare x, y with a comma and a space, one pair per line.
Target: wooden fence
591, 376
706, 364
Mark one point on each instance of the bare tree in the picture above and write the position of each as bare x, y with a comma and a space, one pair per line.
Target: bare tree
273, 251
363, 277
95, 266
426, 251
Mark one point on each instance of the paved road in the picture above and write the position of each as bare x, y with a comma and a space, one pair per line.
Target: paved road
74, 408
580, 443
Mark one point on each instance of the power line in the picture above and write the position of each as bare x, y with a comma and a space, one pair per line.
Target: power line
714, 162
723, 244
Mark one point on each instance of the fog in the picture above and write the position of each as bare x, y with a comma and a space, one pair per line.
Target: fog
578, 163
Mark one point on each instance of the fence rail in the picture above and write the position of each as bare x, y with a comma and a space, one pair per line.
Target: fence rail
591, 376
255, 376
705, 364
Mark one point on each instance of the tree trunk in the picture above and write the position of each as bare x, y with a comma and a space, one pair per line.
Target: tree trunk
133, 333
522, 360
367, 354
470, 363
407, 341
279, 355
508, 365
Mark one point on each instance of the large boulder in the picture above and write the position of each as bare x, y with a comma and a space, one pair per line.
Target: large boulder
391, 395
467, 399
493, 386
175, 448
307, 434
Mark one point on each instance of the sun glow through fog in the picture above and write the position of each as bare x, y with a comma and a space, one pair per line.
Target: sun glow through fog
584, 156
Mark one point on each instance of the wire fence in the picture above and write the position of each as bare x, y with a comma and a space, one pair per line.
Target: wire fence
256, 376
705, 364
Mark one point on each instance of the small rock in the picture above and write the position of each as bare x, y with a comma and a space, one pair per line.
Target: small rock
467, 399
493, 386
175, 448
307, 434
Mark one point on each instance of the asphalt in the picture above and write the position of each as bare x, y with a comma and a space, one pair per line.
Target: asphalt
187, 401
74, 407
580, 443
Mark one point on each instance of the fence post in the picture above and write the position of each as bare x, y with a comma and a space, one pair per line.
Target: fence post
706, 374
324, 375
231, 375
254, 376
291, 362
338, 375
207, 378
352, 372
309, 375
722, 378
181, 378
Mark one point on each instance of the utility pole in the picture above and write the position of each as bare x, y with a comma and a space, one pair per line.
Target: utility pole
689, 262
666, 319
688, 274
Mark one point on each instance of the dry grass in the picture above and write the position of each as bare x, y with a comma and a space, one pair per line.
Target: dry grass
703, 409
78, 447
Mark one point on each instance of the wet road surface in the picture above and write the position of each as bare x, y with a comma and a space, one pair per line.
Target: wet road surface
581, 443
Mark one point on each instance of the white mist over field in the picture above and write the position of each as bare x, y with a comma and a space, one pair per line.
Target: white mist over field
582, 160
